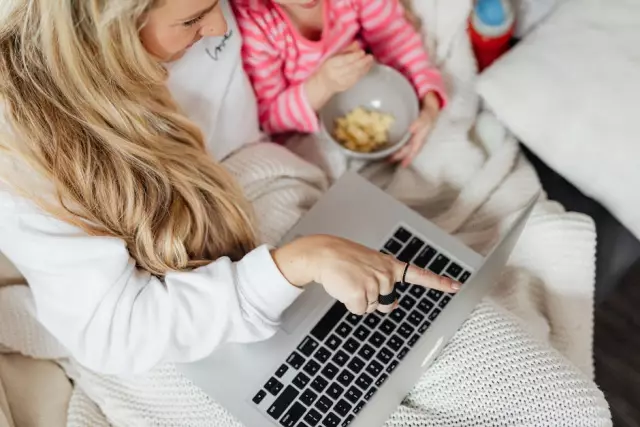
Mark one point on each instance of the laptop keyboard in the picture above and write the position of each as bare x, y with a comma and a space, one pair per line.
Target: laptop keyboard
345, 359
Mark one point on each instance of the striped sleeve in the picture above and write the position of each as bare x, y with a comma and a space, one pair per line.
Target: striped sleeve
396, 43
282, 107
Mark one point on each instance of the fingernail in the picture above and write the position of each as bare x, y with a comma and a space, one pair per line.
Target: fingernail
456, 286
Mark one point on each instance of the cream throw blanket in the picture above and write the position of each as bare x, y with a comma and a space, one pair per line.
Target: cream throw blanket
470, 179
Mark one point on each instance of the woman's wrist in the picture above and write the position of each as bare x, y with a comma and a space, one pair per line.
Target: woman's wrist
293, 261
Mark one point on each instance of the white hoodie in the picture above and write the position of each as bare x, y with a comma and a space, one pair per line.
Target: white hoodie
115, 318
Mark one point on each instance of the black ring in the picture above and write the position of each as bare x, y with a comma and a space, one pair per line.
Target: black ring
388, 299
404, 274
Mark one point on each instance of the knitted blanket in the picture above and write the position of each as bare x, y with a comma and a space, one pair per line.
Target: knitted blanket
523, 357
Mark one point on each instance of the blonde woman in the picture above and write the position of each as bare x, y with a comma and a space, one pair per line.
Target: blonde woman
138, 247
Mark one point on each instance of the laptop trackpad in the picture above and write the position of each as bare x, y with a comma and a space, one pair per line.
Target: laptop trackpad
313, 301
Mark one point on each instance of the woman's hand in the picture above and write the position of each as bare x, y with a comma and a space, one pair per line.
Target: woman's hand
349, 272
419, 130
337, 74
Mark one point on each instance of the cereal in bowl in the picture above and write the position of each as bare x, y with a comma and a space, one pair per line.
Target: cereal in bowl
363, 131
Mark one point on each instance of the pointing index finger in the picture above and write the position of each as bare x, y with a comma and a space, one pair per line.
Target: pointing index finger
418, 276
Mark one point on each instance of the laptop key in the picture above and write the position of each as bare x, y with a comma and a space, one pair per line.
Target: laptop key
401, 287
331, 420
377, 339
319, 384
415, 318
417, 291
392, 366
313, 417
362, 333
407, 302
387, 326
342, 407
435, 295
439, 264
434, 314
312, 367
366, 352
308, 346
344, 330
282, 402
393, 246
364, 381
454, 270
347, 421
359, 407
354, 319
464, 277
425, 256
351, 345
444, 301
395, 343
334, 391
292, 416
425, 305
410, 251
330, 371
333, 342
301, 380
308, 397
405, 330
374, 368
384, 355
372, 320
423, 328
328, 321
259, 397
340, 358
398, 314
273, 386
353, 394
346, 378
382, 379
295, 360
402, 235
323, 404
403, 353
322, 355
282, 370
414, 339
370, 393
356, 365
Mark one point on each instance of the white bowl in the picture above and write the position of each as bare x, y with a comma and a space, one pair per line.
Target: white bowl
383, 89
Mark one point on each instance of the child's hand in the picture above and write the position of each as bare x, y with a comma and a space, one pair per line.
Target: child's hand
338, 73
420, 130
343, 70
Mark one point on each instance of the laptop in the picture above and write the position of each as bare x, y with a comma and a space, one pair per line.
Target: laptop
328, 367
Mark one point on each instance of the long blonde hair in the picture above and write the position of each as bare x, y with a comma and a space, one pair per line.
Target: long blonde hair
89, 110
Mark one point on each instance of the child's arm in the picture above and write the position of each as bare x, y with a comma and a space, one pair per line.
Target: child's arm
395, 42
292, 108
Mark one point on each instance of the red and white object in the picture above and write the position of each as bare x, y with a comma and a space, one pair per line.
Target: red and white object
491, 28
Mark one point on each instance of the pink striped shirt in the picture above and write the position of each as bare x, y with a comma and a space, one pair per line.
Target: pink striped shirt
279, 60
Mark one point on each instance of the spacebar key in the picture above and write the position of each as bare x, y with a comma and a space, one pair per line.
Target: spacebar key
329, 320
282, 402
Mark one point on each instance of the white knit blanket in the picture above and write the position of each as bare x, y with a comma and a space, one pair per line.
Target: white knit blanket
524, 356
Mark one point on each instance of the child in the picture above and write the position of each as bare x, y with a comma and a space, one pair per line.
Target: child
299, 53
